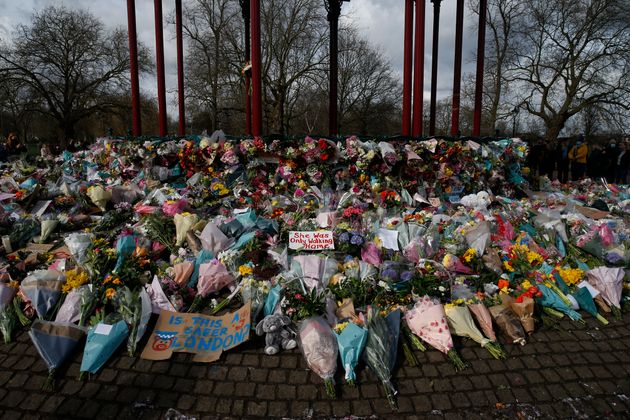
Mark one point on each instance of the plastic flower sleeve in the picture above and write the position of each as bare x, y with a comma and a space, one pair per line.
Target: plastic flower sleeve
351, 343
47, 227
552, 300
212, 239
461, 323
99, 196
70, 310
43, 289
183, 223
8, 318
55, 343
102, 341
78, 244
478, 237
159, 300
380, 352
319, 347
608, 281
484, 319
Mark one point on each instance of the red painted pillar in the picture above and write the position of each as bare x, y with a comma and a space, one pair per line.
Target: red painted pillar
407, 68
256, 68
159, 51
181, 128
248, 99
457, 71
133, 69
481, 42
418, 72
434, 64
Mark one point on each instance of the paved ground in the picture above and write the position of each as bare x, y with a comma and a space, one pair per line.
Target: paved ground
580, 372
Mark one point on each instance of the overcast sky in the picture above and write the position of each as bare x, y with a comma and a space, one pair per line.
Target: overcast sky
381, 21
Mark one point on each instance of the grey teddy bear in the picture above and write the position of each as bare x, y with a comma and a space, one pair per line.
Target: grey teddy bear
278, 333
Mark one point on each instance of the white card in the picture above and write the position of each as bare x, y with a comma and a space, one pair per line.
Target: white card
389, 238
102, 329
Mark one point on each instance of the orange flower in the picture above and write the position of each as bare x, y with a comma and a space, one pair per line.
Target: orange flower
503, 284
110, 293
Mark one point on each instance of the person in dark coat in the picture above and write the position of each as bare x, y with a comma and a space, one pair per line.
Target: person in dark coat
611, 152
596, 162
562, 161
622, 163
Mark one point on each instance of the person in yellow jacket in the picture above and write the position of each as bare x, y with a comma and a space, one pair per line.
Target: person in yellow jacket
578, 156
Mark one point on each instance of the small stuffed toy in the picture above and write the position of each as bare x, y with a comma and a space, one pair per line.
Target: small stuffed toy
278, 334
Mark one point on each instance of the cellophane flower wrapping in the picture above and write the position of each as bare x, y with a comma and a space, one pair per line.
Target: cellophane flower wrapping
8, 318
43, 289
428, 321
55, 342
70, 310
99, 196
102, 341
461, 323
183, 223
552, 300
484, 319
135, 309
609, 282
319, 346
213, 276
48, 226
381, 349
159, 300
478, 237
182, 272
78, 244
351, 343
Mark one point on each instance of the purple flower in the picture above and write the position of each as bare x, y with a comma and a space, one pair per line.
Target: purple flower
344, 237
406, 275
389, 274
356, 240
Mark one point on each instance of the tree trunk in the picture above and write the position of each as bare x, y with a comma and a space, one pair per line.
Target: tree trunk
554, 127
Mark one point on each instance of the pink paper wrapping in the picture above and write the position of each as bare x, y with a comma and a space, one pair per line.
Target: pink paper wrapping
484, 319
371, 254
171, 209
213, 276
428, 321
183, 271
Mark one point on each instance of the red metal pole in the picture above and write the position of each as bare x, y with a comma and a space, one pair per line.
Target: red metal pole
248, 97
256, 67
159, 51
481, 42
408, 64
418, 72
434, 64
457, 71
133, 69
181, 129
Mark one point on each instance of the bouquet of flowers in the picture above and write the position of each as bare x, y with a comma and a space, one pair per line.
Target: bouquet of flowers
99, 196
351, 339
183, 223
609, 282
319, 347
8, 318
461, 323
135, 309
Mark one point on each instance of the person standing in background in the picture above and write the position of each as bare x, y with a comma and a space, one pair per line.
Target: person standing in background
622, 163
578, 155
611, 152
561, 157
596, 167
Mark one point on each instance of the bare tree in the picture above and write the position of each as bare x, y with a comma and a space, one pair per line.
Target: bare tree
574, 55
366, 82
503, 17
71, 62
294, 55
213, 62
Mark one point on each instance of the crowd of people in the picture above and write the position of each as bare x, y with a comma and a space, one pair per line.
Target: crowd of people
568, 160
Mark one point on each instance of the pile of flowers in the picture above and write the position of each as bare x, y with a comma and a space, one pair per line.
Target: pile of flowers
432, 240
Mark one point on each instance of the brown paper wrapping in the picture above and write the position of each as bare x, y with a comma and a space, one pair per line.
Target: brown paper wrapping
508, 323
